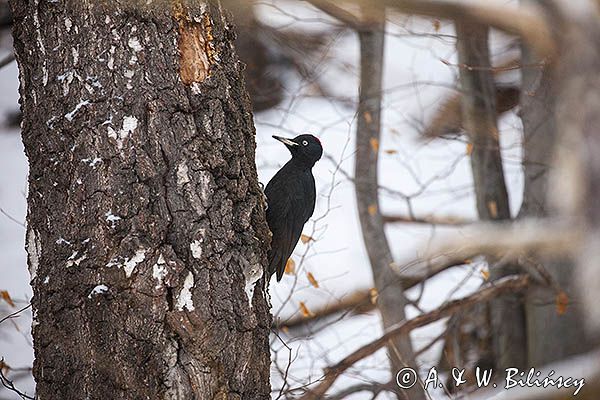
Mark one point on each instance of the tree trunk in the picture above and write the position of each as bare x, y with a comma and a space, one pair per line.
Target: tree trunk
146, 234
391, 300
551, 336
479, 117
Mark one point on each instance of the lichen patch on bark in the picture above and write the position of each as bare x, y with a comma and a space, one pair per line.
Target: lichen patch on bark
196, 52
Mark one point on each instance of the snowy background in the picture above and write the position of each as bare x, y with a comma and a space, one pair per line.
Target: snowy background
435, 175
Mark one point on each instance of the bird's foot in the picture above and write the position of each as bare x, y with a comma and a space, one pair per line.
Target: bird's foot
264, 196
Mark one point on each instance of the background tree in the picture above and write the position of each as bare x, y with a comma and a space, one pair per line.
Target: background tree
146, 234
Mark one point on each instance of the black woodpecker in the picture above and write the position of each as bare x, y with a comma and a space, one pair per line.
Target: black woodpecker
291, 198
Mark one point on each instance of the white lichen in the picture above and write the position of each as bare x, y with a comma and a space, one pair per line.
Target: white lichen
92, 162
196, 248
66, 79
196, 88
184, 300
182, 174
134, 44
100, 289
70, 115
128, 264
34, 251
75, 53
63, 241
68, 24
38, 34
159, 271
130, 124
111, 58
110, 217
253, 273
73, 260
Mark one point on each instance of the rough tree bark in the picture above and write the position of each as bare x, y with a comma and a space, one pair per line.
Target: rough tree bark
391, 300
550, 336
479, 117
146, 228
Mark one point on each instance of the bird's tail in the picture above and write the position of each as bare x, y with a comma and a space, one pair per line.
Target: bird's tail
277, 264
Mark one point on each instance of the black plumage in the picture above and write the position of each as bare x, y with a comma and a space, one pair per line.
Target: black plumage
291, 199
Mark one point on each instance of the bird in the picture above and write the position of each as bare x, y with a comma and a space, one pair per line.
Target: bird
291, 197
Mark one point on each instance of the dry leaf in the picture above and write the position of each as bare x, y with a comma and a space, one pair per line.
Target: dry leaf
6, 297
469, 148
562, 302
391, 151
305, 238
305, 311
368, 117
285, 329
493, 208
312, 280
486, 274
290, 267
373, 294
372, 209
436, 24
374, 144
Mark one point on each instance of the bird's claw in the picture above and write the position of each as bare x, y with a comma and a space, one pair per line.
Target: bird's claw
264, 196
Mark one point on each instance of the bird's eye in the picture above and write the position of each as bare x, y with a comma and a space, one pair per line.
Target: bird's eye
304, 143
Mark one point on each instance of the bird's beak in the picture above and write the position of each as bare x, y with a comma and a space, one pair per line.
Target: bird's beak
285, 141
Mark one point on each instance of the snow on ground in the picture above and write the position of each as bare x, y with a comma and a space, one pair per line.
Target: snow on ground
419, 71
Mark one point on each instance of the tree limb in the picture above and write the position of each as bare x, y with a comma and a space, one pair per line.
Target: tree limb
489, 291
527, 22
346, 17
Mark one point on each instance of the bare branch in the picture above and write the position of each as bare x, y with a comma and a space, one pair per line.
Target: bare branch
9, 385
7, 60
527, 22
503, 285
431, 220
337, 12
359, 301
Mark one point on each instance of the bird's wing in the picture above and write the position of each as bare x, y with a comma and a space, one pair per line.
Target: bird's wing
286, 220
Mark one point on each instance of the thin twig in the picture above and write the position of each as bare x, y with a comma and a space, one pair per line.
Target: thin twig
8, 384
12, 315
7, 60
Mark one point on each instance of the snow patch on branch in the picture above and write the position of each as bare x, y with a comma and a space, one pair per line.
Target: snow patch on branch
184, 300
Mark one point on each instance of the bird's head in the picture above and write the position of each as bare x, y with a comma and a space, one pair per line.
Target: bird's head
304, 148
